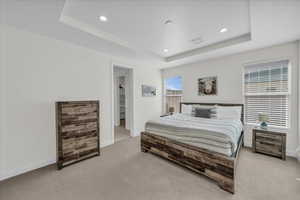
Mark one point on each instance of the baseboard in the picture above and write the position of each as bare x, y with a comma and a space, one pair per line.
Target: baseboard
291, 154
135, 136
106, 143
298, 149
19, 171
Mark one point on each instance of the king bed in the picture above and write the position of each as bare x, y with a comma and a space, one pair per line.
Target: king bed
207, 145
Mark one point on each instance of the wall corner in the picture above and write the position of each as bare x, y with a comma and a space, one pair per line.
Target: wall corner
298, 55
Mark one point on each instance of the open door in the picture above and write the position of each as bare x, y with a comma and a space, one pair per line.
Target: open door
123, 103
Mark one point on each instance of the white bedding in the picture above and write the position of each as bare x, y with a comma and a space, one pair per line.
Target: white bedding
219, 135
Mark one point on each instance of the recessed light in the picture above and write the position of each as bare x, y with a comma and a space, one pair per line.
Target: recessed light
103, 18
166, 50
223, 30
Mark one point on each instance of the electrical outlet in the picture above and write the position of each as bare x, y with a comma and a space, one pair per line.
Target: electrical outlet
297, 179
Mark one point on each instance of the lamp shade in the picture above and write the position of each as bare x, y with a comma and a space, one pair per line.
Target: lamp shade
263, 117
171, 109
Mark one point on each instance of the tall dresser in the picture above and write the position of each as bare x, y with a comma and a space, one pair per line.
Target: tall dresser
77, 131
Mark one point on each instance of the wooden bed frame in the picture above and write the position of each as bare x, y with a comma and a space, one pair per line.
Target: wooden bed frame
216, 166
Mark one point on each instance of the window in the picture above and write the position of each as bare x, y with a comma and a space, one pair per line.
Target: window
173, 93
267, 91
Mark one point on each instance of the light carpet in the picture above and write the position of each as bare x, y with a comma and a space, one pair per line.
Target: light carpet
123, 172
121, 133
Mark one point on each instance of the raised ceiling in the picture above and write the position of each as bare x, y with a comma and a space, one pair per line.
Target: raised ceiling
142, 24
127, 37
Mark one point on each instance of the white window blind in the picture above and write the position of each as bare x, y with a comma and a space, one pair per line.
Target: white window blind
267, 91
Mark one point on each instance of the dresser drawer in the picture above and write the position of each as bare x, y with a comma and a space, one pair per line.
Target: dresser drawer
75, 109
270, 141
275, 150
273, 137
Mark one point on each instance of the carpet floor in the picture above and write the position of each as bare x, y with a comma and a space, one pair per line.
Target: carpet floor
121, 133
123, 172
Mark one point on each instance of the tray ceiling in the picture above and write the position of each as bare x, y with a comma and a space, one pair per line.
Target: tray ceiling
168, 29
135, 32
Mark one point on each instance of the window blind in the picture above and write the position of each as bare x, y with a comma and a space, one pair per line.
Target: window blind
267, 91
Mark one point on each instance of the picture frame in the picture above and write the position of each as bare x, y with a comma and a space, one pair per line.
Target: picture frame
148, 91
207, 86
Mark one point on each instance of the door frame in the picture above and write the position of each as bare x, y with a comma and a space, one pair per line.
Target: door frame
131, 99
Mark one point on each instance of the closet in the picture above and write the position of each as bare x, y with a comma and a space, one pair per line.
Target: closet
122, 99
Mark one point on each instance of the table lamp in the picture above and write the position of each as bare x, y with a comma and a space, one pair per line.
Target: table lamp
263, 118
171, 110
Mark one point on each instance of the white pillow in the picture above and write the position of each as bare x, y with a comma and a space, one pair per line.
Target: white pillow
186, 109
229, 112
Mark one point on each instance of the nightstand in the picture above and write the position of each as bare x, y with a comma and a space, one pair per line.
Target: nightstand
269, 141
167, 114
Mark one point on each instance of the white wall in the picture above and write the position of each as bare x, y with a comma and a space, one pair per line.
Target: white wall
146, 107
229, 71
39, 71
2, 102
298, 149
2, 82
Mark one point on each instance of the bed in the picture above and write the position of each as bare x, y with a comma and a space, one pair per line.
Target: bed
206, 146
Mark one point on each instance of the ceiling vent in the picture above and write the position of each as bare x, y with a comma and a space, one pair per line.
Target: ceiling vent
196, 40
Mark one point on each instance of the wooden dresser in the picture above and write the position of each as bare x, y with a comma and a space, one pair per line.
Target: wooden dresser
77, 131
269, 142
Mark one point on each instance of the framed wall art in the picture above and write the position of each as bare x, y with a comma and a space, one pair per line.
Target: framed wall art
207, 86
148, 91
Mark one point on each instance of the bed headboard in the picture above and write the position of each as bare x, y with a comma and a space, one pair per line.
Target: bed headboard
218, 104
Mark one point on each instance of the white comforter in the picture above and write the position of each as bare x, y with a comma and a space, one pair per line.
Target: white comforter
219, 135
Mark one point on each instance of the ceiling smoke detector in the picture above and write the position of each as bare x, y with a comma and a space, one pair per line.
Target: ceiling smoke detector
168, 21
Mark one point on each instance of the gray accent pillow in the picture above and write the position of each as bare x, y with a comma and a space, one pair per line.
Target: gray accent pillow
203, 107
203, 112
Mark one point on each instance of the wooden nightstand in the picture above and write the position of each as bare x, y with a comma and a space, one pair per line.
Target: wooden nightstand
167, 114
269, 141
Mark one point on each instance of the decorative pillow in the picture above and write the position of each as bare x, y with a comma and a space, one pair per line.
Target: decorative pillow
213, 113
202, 112
186, 109
229, 112
202, 107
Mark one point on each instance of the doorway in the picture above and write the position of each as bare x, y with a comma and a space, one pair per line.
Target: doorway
123, 102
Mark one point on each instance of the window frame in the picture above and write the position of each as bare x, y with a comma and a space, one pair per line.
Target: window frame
288, 94
165, 95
